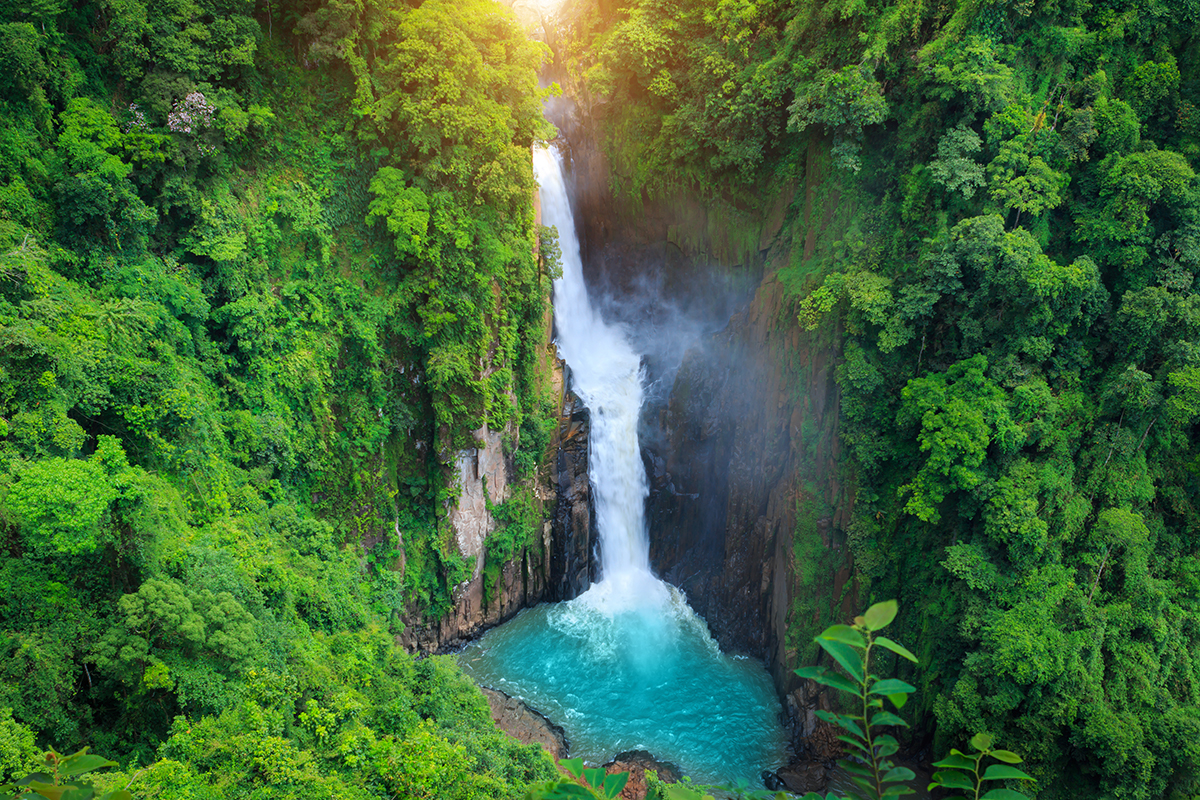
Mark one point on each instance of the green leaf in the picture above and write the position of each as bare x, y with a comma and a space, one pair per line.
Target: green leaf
898, 649
845, 655
891, 686
48, 790
613, 784
1000, 772
952, 780
677, 791
982, 741
844, 634
887, 745
855, 742
842, 721
897, 791
116, 794
1006, 756
956, 761
854, 768
594, 776
825, 677
81, 763
571, 791
573, 766
880, 615
887, 718
899, 774
898, 699
863, 784
1004, 794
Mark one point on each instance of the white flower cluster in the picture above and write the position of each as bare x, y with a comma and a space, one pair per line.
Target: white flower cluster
137, 119
193, 111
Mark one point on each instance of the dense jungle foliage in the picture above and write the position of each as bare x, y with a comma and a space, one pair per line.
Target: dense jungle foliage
264, 268
998, 203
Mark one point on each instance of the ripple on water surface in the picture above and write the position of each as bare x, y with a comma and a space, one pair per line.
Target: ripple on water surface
623, 675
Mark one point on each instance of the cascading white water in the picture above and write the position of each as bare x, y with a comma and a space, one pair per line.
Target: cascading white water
627, 664
606, 374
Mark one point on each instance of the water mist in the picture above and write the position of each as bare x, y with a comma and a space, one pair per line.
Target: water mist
627, 664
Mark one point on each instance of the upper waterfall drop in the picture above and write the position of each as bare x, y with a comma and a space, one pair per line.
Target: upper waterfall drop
606, 374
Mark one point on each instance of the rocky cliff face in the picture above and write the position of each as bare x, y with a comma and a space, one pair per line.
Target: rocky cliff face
572, 545
747, 505
556, 568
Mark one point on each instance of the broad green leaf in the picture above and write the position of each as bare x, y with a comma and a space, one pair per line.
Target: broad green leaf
1007, 756
898, 699
880, 615
845, 655
952, 780
594, 776
891, 686
887, 745
77, 792
81, 763
844, 634
982, 741
999, 772
899, 774
956, 761
48, 790
887, 718
897, 791
898, 649
116, 794
573, 766
613, 784
1004, 794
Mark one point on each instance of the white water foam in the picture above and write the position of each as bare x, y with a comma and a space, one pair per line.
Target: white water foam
607, 376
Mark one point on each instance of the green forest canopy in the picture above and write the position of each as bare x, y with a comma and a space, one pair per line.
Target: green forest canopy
1011, 247
264, 266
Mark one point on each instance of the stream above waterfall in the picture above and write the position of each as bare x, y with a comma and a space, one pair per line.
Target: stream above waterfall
626, 665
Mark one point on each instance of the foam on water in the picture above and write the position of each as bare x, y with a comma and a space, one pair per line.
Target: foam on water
627, 664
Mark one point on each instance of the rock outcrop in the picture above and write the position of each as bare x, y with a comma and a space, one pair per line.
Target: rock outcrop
572, 547
525, 724
636, 762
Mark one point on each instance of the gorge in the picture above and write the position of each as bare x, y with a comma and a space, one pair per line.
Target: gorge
627, 664
908, 291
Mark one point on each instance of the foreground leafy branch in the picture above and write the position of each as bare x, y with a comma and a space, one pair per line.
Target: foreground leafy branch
851, 647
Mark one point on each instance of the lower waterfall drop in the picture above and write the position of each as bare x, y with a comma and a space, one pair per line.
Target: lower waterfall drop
627, 664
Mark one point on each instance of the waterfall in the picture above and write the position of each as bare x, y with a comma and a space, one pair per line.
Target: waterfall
627, 664
606, 374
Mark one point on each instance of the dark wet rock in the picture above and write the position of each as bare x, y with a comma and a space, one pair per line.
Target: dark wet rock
803, 777
636, 762
571, 568
772, 781
525, 724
